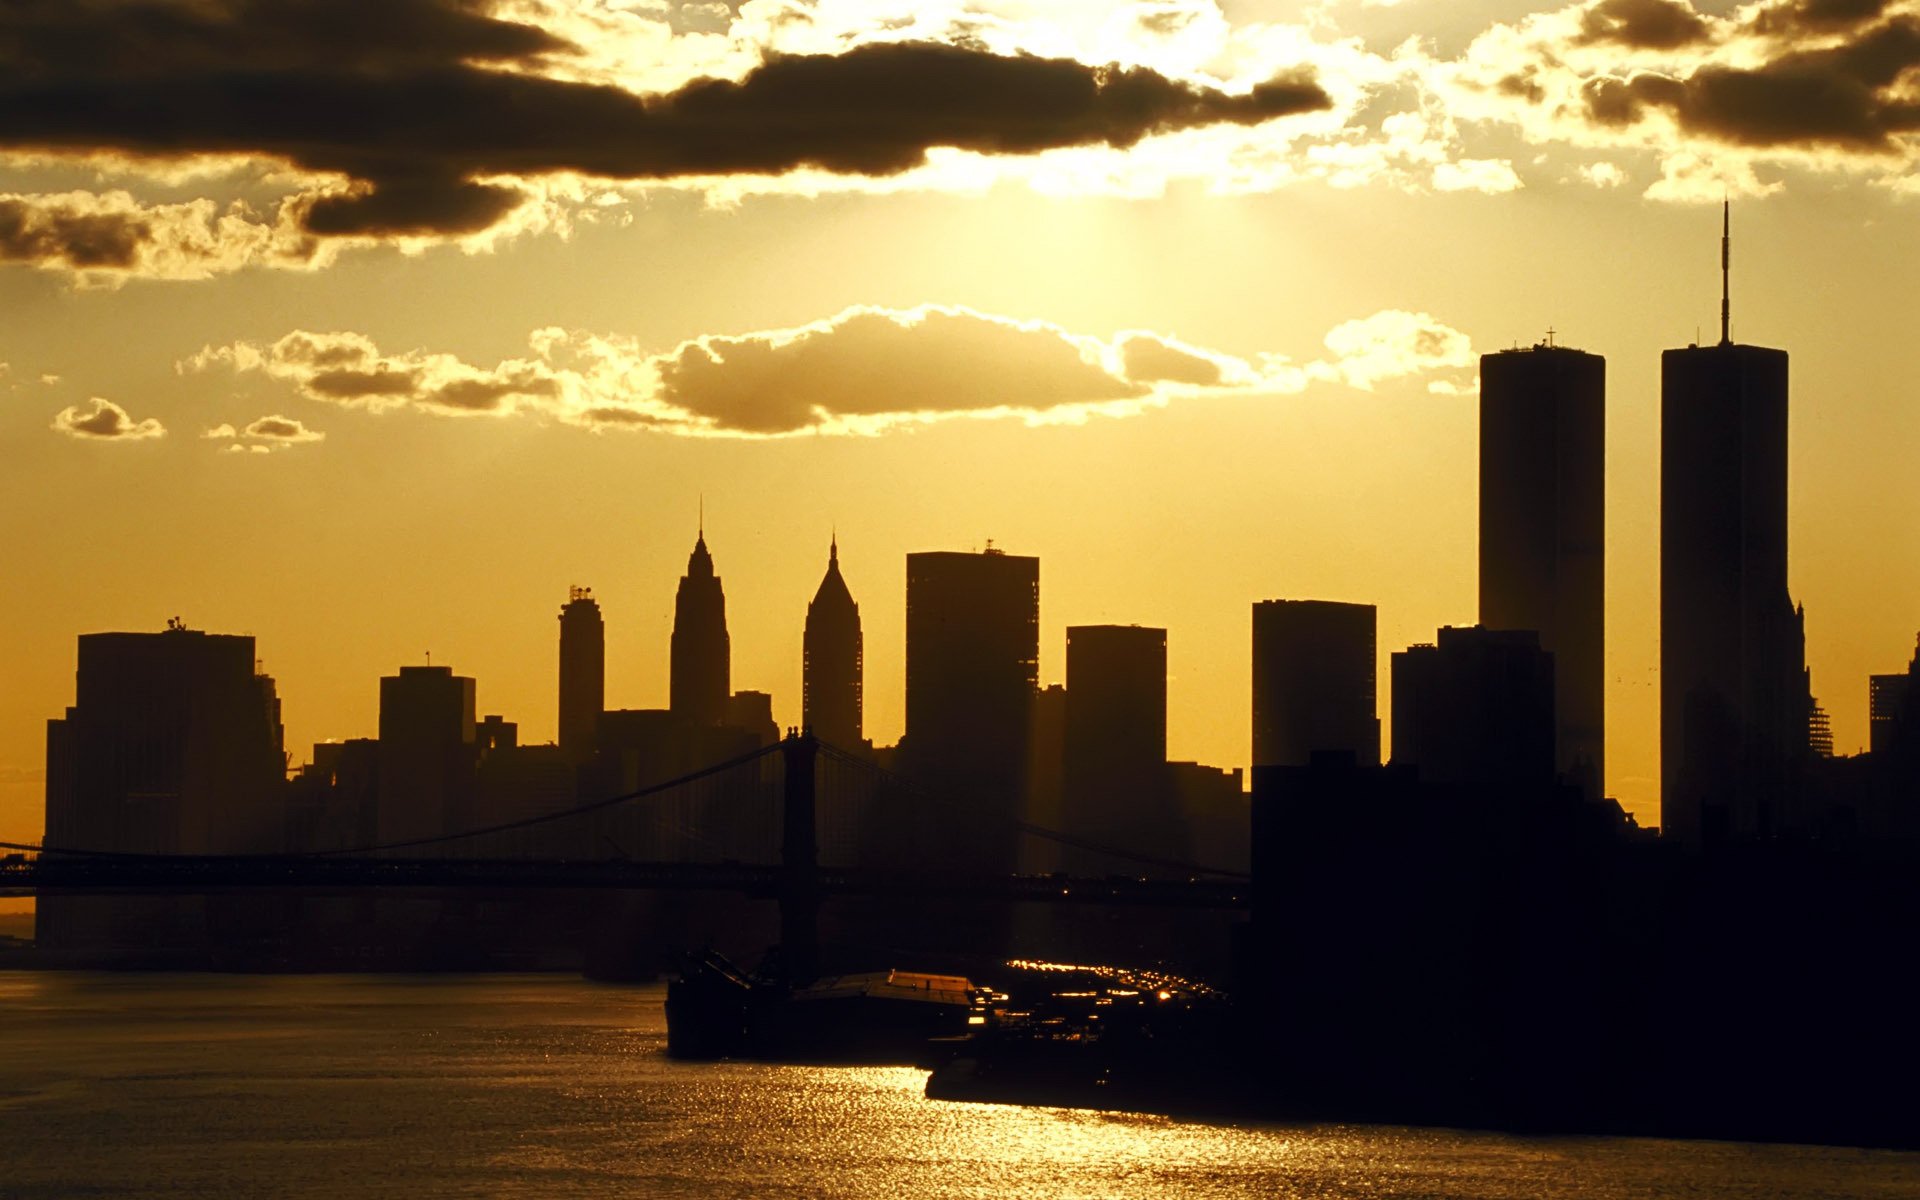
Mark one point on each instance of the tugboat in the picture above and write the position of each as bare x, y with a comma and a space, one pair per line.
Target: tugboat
716, 1010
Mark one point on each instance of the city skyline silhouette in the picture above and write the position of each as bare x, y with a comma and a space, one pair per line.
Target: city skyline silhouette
1337, 572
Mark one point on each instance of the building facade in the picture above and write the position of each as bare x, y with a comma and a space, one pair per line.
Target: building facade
1114, 765
1733, 686
1543, 429
1314, 682
973, 651
583, 674
832, 663
428, 753
700, 667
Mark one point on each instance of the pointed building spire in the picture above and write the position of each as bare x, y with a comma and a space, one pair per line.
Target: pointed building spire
1726, 263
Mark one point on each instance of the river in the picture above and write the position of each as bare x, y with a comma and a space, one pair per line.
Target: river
348, 1086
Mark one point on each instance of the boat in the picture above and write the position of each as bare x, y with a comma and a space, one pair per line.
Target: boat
716, 1010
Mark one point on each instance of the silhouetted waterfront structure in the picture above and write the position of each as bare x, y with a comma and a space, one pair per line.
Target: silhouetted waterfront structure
832, 666
973, 650
1734, 706
700, 671
1543, 429
428, 752
1114, 765
1313, 681
173, 745
583, 673
1476, 708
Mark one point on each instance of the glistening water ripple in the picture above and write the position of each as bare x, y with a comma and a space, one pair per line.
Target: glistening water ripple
545, 1086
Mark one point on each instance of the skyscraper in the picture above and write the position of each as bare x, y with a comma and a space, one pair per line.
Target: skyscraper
700, 679
1115, 760
583, 674
173, 745
427, 753
973, 654
1313, 682
831, 664
1543, 428
1733, 693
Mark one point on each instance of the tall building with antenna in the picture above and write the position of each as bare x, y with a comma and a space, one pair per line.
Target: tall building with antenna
699, 670
831, 667
583, 674
1543, 433
1733, 688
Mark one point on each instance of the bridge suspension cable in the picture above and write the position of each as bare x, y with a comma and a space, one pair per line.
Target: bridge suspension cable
1028, 828
650, 790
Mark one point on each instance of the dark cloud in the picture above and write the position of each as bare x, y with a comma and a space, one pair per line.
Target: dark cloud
489, 394
277, 428
405, 98
54, 234
1644, 24
1816, 16
1148, 359
349, 385
873, 363
104, 421
1843, 97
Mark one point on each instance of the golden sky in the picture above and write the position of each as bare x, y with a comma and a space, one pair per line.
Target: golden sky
369, 328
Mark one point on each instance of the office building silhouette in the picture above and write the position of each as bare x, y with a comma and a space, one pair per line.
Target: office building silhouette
1114, 765
699, 681
583, 673
973, 650
1476, 708
173, 745
832, 663
428, 752
1313, 682
1543, 428
1734, 707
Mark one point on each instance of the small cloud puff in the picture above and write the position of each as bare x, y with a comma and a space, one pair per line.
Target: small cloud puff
264, 434
101, 420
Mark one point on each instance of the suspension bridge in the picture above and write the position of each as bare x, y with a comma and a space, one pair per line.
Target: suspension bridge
796, 821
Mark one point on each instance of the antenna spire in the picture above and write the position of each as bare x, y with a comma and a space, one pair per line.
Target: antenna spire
700, 531
1727, 260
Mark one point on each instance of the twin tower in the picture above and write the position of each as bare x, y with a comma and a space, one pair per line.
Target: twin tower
1735, 705
700, 669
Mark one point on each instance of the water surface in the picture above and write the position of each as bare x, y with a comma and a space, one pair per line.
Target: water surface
346, 1086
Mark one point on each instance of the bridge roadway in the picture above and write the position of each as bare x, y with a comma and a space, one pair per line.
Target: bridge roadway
188, 873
